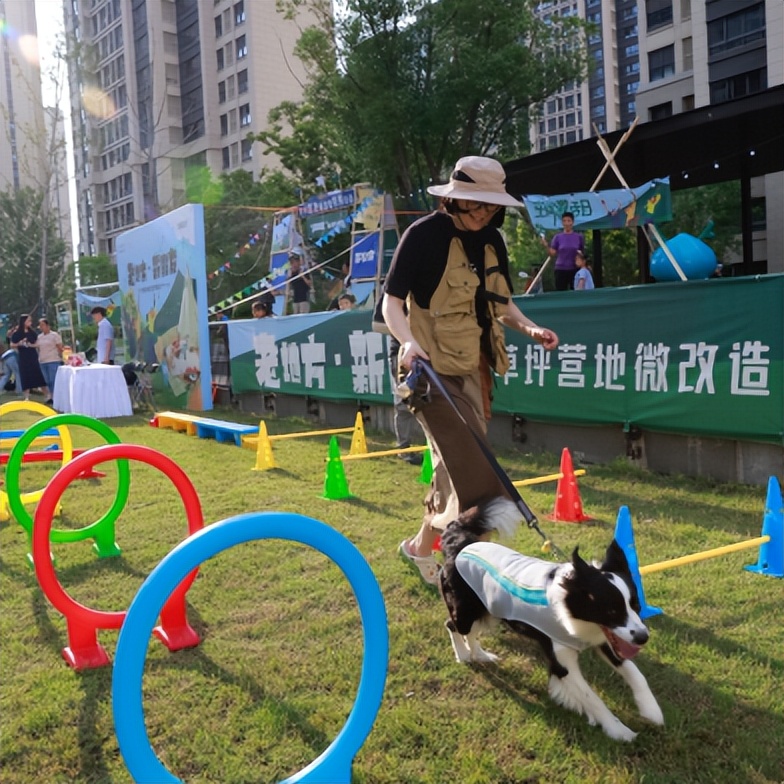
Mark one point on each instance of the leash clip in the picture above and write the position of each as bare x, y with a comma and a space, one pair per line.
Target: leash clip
407, 386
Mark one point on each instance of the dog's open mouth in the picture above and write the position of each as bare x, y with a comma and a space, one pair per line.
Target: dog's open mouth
621, 648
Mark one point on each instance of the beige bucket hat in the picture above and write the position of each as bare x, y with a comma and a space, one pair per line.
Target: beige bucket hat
477, 179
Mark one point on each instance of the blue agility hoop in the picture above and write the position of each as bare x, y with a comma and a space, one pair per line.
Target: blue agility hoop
333, 766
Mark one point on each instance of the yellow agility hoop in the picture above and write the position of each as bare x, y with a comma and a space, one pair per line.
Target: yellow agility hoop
65, 439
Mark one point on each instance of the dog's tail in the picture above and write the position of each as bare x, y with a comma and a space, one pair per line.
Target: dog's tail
498, 514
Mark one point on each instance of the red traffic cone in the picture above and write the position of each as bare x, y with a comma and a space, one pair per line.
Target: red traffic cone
568, 506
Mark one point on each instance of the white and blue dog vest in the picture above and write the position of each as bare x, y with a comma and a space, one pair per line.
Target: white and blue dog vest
514, 587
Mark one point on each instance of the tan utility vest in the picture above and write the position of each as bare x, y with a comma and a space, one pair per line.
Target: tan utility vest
448, 330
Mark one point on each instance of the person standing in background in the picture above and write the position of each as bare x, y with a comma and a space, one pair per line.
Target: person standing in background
23, 340
405, 423
10, 368
583, 280
564, 247
50, 349
300, 285
105, 342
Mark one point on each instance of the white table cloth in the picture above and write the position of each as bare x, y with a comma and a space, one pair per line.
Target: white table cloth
95, 390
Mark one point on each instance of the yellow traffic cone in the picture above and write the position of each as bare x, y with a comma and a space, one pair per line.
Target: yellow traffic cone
264, 457
358, 443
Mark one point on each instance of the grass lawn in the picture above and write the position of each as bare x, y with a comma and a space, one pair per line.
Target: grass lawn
275, 676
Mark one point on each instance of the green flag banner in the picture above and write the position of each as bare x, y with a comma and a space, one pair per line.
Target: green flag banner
700, 357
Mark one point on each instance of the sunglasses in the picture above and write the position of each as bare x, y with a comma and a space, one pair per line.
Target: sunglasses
466, 205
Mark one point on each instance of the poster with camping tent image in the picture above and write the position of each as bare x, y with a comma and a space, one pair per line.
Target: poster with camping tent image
162, 273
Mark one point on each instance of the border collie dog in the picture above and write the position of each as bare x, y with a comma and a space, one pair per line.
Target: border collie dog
565, 607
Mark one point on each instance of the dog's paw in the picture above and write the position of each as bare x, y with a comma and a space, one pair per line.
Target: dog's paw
617, 730
483, 656
651, 711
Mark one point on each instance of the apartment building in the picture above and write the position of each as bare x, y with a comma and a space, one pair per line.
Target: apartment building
23, 133
654, 59
697, 53
605, 101
158, 86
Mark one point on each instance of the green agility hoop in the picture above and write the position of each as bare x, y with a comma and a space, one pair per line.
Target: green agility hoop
102, 531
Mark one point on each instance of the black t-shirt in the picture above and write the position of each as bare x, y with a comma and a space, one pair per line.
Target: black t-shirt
300, 289
420, 259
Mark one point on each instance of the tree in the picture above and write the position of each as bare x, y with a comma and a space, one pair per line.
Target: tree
717, 204
42, 162
398, 90
240, 214
25, 239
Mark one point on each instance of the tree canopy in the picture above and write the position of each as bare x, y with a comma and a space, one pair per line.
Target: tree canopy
398, 90
21, 247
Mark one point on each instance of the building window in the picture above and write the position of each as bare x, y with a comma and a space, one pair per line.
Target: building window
221, 92
661, 111
738, 86
759, 220
242, 82
688, 55
685, 10
661, 63
219, 59
247, 149
233, 121
242, 47
226, 160
234, 150
224, 124
230, 87
239, 12
218, 26
738, 29
245, 118
658, 13
687, 103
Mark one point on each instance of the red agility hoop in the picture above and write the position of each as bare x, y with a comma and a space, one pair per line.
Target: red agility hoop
84, 651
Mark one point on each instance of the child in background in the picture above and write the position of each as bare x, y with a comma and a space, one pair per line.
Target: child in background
583, 279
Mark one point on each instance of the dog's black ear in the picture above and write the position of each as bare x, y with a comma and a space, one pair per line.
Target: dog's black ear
578, 563
615, 559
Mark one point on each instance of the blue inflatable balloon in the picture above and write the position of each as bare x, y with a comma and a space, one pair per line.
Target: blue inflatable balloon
695, 258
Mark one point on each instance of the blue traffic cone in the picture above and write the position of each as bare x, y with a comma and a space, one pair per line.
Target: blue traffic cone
771, 554
625, 538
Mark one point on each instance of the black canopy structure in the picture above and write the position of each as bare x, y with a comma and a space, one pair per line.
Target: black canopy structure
736, 140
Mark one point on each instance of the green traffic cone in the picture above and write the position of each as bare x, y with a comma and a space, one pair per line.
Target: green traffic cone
335, 484
426, 474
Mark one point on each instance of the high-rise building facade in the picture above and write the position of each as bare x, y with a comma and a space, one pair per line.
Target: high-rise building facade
699, 53
652, 59
158, 86
23, 133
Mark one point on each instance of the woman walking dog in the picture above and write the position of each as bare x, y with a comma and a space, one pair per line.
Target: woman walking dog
447, 294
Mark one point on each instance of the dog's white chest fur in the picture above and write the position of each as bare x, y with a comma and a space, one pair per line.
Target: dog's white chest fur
514, 587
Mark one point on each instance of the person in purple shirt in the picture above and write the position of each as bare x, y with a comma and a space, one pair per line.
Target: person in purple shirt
564, 247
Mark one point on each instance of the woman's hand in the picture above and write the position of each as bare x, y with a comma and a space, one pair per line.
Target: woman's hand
545, 337
409, 351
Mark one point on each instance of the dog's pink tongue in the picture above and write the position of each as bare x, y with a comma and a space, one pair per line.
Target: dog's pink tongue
626, 650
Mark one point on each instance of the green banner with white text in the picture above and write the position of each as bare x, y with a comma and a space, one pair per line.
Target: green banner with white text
695, 357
